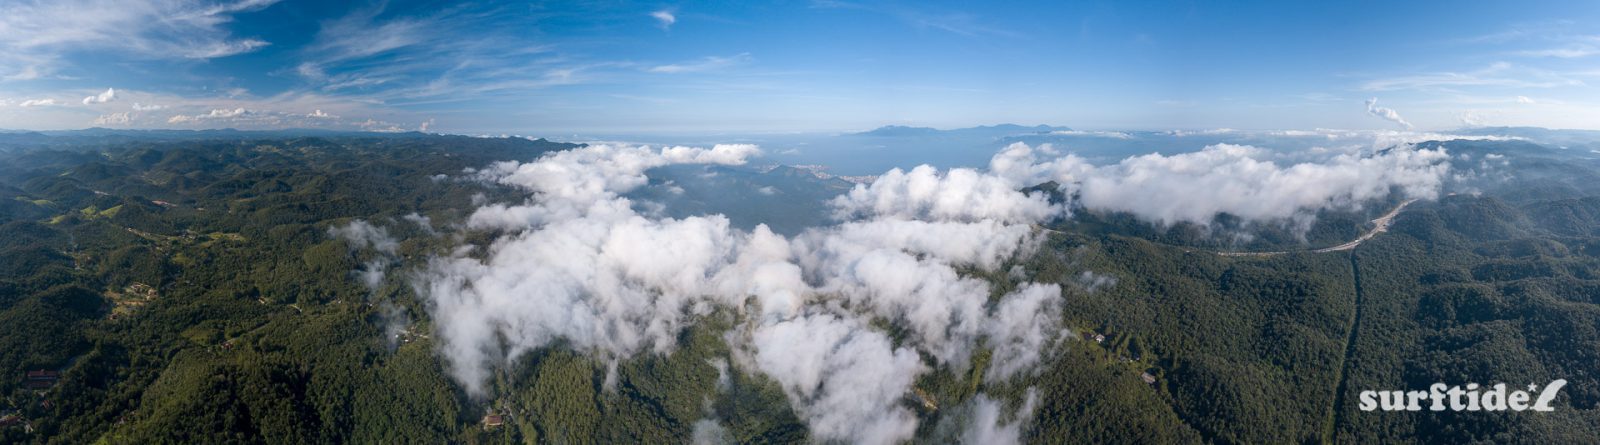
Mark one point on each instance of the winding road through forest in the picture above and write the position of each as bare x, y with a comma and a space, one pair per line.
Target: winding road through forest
1379, 225
1333, 416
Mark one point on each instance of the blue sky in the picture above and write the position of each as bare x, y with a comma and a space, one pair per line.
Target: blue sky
623, 67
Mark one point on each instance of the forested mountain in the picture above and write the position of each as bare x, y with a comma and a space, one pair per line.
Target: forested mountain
190, 290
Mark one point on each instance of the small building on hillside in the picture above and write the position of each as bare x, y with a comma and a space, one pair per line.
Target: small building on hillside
1148, 379
41, 379
43, 374
492, 420
1094, 336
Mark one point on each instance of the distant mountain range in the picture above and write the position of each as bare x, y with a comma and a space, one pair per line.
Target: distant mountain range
186, 134
1525, 131
1000, 130
64, 138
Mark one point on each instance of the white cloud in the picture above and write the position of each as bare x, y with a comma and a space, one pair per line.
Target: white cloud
361, 234
378, 126
629, 282
1103, 134
1525, 100
33, 33
39, 103
109, 95
1244, 182
625, 279
252, 113
1572, 52
1211, 132
217, 114
665, 18
123, 118
987, 425
962, 23
225, 48
29, 72
711, 63
845, 379
1498, 74
310, 70
423, 222
907, 272
1387, 114
376, 56
961, 194
150, 107
709, 432
581, 177
361, 34
1021, 329
1093, 282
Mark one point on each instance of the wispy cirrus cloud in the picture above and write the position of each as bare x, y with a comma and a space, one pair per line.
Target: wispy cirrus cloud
363, 34
375, 55
709, 63
1499, 74
1563, 39
956, 22
35, 34
1569, 52
665, 18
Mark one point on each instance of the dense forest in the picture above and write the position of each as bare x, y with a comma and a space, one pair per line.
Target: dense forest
187, 289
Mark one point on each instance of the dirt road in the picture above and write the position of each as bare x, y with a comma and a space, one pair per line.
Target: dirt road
1379, 225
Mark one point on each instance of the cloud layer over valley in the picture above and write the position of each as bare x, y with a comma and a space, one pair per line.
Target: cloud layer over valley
576, 265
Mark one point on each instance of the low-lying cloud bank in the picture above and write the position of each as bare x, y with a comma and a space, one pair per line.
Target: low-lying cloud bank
1239, 180
575, 264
